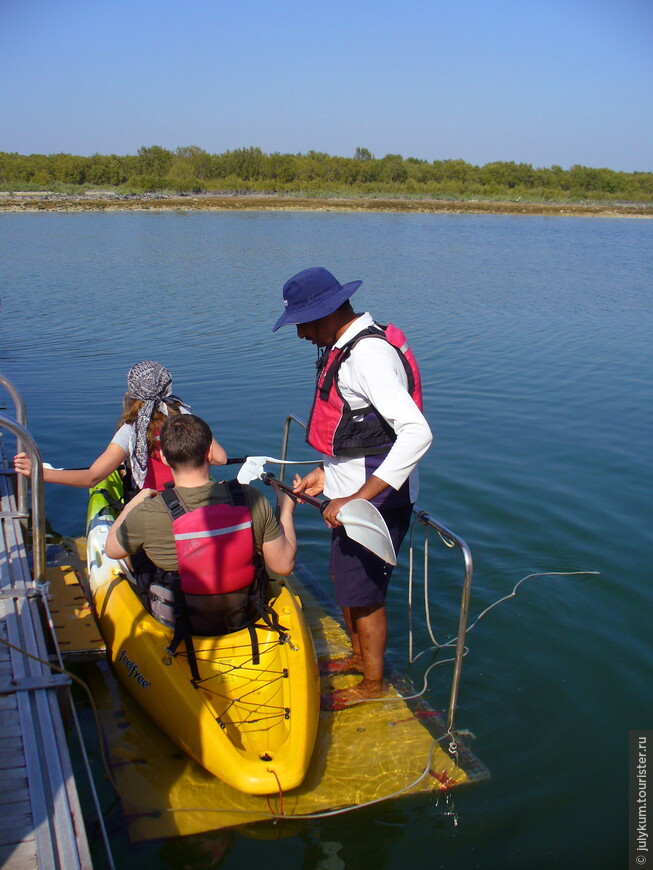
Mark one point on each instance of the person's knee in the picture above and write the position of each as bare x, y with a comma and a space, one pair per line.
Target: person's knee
367, 610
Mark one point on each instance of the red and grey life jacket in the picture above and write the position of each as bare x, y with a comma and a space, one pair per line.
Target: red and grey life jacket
215, 544
333, 427
222, 584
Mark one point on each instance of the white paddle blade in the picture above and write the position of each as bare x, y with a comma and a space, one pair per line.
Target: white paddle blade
251, 469
364, 524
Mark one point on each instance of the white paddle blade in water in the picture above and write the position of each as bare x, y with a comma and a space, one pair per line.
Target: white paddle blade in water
364, 524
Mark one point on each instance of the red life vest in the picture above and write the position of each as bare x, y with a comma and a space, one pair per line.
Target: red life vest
332, 428
215, 547
158, 473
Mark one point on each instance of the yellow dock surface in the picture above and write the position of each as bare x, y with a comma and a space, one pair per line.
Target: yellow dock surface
364, 754
73, 621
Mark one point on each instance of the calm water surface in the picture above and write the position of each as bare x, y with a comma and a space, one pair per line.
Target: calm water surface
533, 336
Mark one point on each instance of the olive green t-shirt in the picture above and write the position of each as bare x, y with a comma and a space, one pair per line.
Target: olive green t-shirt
149, 525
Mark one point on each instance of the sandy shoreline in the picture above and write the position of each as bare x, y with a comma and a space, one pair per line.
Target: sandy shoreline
100, 201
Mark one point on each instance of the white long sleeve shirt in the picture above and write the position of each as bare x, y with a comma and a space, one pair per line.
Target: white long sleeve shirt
373, 374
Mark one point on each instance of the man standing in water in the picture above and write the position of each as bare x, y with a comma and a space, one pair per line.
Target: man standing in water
367, 422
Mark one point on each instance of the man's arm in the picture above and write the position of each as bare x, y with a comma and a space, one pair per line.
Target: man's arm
379, 381
280, 553
373, 376
372, 487
114, 548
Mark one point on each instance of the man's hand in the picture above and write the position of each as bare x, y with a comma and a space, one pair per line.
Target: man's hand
331, 511
312, 484
371, 488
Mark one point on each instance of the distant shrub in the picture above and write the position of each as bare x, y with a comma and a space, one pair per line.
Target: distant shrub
190, 169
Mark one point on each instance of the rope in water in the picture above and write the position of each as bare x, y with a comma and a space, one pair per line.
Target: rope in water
276, 816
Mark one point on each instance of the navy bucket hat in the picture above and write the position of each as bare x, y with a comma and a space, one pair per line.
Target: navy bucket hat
312, 294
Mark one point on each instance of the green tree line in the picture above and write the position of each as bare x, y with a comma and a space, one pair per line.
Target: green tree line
190, 169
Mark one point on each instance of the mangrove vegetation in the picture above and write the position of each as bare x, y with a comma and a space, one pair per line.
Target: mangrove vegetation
190, 169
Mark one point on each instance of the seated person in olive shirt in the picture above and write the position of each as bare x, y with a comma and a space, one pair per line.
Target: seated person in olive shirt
145, 523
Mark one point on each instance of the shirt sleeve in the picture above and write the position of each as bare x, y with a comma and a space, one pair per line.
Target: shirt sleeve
374, 374
131, 533
266, 527
122, 436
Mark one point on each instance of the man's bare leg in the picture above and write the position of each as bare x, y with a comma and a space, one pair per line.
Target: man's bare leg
368, 629
351, 664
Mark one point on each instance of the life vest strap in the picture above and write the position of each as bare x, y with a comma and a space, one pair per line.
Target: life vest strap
173, 501
182, 632
256, 653
212, 533
236, 492
177, 507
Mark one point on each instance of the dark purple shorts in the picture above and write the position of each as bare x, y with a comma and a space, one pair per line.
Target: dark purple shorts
360, 578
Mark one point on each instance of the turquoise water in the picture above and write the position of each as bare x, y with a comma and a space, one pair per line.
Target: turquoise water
533, 336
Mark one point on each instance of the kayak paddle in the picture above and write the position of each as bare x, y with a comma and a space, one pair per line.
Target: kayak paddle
361, 520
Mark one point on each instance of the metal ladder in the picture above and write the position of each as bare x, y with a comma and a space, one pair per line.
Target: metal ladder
33, 746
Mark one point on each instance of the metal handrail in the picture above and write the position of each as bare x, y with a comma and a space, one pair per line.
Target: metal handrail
291, 418
38, 499
451, 540
21, 417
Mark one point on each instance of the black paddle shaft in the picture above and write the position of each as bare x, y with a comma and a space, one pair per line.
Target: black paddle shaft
268, 477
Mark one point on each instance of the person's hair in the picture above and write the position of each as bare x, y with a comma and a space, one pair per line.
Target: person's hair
185, 440
132, 406
345, 307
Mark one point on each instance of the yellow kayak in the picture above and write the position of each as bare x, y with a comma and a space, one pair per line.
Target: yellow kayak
252, 717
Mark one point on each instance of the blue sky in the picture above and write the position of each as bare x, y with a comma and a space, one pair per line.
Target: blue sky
557, 82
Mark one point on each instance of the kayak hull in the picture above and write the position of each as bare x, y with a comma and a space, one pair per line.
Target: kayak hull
252, 718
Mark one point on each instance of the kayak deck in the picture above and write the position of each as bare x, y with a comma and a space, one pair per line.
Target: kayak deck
250, 714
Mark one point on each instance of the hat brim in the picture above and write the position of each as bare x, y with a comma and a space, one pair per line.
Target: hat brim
316, 310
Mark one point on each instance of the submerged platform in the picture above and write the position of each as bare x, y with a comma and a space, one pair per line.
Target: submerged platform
74, 624
364, 754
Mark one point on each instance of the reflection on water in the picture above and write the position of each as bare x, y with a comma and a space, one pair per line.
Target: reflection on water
362, 756
533, 338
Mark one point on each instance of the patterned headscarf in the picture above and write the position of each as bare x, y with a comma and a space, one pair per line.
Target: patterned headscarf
152, 384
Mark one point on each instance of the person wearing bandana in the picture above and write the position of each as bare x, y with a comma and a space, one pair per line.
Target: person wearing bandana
147, 403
